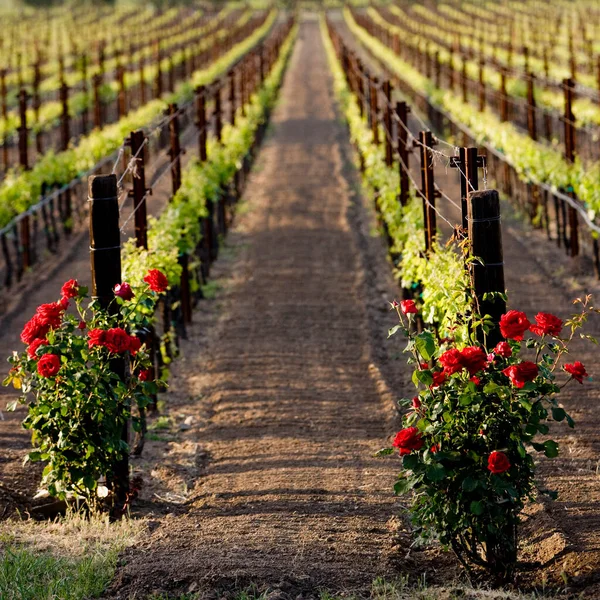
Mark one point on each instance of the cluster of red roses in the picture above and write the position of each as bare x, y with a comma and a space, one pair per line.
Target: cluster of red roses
473, 359
115, 340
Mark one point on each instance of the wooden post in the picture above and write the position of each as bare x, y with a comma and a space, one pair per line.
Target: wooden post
437, 70
142, 81
84, 89
374, 111
463, 80
175, 147
4, 117
361, 88
481, 85
503, 96
23, 131
122, 98
138, 193
569, 122
96, 81
36, 104
387, 92
402, 110
232, 97
201, 122
485, 236
531, 118
451, 70
105, 258
65, 128
217, 109
158, 85
428, 188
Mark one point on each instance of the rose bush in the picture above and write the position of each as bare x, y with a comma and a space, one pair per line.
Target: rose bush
470, 432
78, 402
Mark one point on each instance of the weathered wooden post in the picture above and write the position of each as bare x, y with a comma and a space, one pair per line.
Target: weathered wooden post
142, 83
569, 122
122, 94
503, 96
374, 110
23, 130
217, 111
158, 83
175, 147
428, 188
96, 81
65, 127
531, 112
485, 236
387, 92
402, 110
136, 142
4, 117
105, 258
481, 85
232, 97
36, 104
201, 121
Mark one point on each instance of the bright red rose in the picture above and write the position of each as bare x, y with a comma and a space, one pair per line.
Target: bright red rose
70, 289
51, 314
423, 366
31, 351
416, 402
434, 449
576, 371
520, 374
503, 349
439, 378
475, 380
145, 375
408, 307
48, 365
134, 344
547, 324
498, 462
407, 440
451, 360
473, 359
156, 280
96, 337
34, 329
123, 290
514, 324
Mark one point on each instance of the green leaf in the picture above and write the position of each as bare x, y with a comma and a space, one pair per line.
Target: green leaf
435, 472
404, 485
477, 507
425, 377
425, 344
410, 462
558, 414
384, 452
394, 330
466, 399
551, 449
469, 484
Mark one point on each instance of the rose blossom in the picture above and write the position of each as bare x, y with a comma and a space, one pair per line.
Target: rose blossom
451, 361
70, 289
498, 462
408, 307
156, 280
96, 337
31, 351
475, 380
124, 291
48, 365
145, 375
576, 370
439, 378
51, 313
407, 440
514, 324
34, 329
503, 349
416, 402
473, 359
521, 373
547, 324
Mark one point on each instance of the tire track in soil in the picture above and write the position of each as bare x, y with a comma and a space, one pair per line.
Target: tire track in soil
291, 387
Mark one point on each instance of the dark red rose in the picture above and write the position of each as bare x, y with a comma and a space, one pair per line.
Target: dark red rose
34, 329
48, 365
70, 289
416, 402
96, 337
51, 314
473, 359
439, 378
547, 324
117, 340
498, 462
145, 375
134, 344
451, 360
123, 290
156, 280
520, 374
407, 440
408, 307
82, 325
576, 371
514, 324
503, 349
31, 351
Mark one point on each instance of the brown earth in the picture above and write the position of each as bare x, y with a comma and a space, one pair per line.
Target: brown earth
261, 470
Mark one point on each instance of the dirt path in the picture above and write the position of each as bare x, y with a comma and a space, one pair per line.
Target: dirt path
290, 403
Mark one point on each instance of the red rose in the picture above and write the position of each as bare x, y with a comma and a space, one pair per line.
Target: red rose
96, 337
51, 314
407, 440
408, 307
123, 290
423, 366
438, 379
156, 280
547, 324
473, 359
134, 344
451, 360
576, 370
34, 329
514, 324
31, 351
145, 375
503, 349
82, 325
475, 380
48, 365
498, 462
70, 289
416, 403
434, 449
117, 340
521, 373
